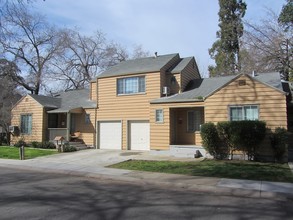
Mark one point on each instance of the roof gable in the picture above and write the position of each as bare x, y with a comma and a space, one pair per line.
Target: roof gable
141, 65
200, 89
181, 65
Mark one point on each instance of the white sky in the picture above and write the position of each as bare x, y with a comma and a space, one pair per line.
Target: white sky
187, 27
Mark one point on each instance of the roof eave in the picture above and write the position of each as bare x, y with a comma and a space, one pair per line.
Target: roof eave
128, 74
177, 101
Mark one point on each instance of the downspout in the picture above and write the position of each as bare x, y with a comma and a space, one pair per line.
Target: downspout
68, 122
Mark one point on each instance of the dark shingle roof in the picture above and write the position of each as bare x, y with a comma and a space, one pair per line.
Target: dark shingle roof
199, 89
46, 101
272, 79
66, 101
141, 65
74, 99
183, 63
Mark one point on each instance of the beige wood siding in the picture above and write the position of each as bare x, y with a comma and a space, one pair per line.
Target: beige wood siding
93, 91
28, 105
271, 103
126, 107
189, 73
87, 131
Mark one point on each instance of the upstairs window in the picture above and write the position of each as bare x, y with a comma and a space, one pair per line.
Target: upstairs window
246, 112
26, 124
131, 85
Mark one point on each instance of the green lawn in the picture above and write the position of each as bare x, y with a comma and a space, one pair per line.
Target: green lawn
215, 168
13, 152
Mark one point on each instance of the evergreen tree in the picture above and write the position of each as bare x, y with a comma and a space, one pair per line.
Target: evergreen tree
225, 51
286, 15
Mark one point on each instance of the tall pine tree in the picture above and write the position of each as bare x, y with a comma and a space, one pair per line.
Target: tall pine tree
225, 51
286, 15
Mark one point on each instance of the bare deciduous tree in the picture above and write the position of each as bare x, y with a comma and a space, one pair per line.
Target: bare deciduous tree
8, 95
84, 58
268, 47
30, 42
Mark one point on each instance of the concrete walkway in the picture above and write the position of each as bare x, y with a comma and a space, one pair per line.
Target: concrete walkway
92, 163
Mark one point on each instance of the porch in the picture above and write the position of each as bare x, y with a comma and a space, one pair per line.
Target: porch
185, 126
65, 124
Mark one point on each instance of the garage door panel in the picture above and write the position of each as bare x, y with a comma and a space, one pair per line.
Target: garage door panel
110, 135
139, 135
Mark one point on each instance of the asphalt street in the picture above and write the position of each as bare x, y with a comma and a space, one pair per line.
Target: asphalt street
31, 194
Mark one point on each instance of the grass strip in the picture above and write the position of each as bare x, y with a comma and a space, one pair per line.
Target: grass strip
215, 168
13, 152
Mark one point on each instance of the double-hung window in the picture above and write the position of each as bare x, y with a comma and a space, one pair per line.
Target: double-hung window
26, 124
159, 116
194, 120
131, 85
246, 112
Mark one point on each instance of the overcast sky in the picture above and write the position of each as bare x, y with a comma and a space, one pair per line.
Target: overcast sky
187, 27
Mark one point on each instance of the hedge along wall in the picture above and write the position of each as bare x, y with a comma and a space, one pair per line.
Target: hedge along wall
252, 137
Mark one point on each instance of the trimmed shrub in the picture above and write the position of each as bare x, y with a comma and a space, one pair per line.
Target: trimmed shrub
247, 136
68, 148
226, 137
224, 132
43, 145
279, 141
212, 142
48, 145
36, 144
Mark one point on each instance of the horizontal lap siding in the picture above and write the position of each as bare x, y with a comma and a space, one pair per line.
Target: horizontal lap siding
87, 131
188, 74
93, 91
126, 107
28, 105
160, 132
272, 103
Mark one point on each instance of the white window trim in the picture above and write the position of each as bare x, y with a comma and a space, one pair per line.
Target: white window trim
135, 93
159, 122
242, 106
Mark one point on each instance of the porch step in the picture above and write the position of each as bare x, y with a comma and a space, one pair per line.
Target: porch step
186, 151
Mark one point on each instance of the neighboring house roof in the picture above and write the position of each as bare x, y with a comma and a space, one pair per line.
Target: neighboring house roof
66, 101
183, 63
200, 89
140, 65
74, 99
46, 101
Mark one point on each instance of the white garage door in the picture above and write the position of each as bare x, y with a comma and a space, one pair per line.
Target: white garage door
139, 133
110, 135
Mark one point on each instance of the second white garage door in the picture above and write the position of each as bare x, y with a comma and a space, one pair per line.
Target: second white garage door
110, 135
139, 135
